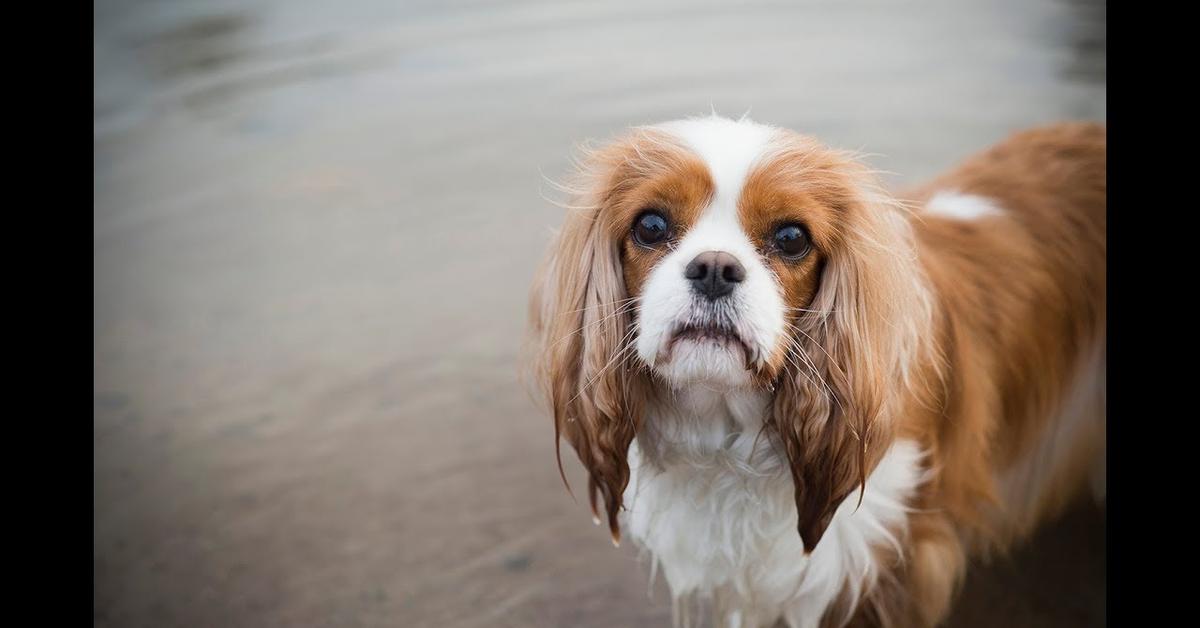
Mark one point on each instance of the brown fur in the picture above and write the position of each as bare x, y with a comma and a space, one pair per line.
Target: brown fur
1022, 299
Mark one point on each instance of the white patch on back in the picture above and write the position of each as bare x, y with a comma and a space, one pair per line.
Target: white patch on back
958, 206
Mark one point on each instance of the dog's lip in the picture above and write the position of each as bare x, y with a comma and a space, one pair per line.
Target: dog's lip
717, 333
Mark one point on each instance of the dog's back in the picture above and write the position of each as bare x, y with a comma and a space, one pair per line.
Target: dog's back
1015, 243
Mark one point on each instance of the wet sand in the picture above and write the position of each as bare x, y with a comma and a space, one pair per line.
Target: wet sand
315, 227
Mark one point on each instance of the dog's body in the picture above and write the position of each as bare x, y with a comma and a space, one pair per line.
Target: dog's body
911, 391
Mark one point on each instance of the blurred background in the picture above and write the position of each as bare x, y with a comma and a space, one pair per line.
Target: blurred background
315, 225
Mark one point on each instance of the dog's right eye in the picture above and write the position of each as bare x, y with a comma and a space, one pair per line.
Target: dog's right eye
650, 228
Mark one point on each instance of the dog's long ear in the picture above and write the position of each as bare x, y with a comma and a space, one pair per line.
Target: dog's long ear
834, 406
580, 321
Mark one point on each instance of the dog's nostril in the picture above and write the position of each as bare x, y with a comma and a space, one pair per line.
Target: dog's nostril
734, 272
714, 273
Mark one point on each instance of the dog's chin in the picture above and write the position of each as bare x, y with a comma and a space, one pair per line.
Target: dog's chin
718, 361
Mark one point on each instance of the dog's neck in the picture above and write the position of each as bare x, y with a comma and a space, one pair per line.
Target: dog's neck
699, 425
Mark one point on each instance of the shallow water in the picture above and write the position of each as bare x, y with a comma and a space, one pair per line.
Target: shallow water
314, 227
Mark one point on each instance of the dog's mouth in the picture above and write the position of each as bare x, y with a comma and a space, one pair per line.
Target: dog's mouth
719, 335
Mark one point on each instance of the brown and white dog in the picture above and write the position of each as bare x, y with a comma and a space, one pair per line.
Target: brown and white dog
743, 337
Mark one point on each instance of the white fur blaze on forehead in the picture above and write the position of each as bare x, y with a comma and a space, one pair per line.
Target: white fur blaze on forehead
728, 147
730, 150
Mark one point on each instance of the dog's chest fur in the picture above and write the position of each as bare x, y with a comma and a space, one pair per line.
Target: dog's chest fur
720, 523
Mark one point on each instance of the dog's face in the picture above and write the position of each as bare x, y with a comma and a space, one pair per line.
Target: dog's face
719, 252
730, 255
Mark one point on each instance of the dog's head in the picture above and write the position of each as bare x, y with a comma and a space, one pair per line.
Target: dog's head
730, 255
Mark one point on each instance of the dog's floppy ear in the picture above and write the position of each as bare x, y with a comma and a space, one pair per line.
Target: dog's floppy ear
580, 320
834, 406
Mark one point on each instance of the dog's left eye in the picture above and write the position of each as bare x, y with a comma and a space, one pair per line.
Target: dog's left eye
791, 241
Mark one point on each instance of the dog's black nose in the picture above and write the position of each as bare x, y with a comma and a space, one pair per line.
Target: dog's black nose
714, 274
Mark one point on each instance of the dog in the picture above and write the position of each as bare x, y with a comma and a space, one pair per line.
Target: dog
812, 401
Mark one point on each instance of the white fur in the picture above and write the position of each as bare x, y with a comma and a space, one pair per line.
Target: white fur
958, 206
729, 148
721, 524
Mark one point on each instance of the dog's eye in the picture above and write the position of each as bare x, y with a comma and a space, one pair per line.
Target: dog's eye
650, 228
791, 241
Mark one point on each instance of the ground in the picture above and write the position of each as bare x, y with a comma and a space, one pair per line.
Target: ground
315, 225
